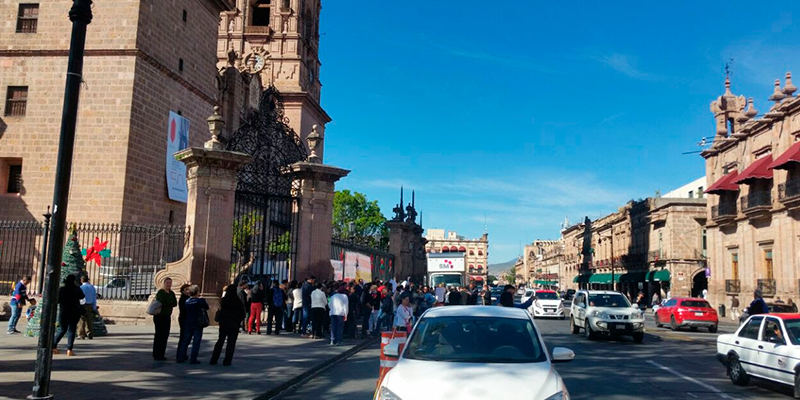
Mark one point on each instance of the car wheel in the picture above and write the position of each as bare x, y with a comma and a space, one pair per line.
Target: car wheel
575, 328
736, 371
797, 385
658, 323
588, 329
712, 329
672, 323
638, 337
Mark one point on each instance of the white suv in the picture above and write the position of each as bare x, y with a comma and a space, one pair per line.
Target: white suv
607, 313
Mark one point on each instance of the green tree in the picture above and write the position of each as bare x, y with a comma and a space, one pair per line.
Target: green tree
491, 278
365, 216
511, 276
244, 228
281, 245
72, 257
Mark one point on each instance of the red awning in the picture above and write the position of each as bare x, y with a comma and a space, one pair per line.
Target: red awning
476, 277
759, 169
724, 184
788, 157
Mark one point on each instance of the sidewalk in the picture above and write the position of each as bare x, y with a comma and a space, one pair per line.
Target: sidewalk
121, 366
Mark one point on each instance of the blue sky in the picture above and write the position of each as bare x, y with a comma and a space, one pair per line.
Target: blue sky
523, 114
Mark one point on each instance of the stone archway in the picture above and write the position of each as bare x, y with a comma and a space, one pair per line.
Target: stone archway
699, 282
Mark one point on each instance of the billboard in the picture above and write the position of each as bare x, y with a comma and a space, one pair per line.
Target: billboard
446, 263
177, 140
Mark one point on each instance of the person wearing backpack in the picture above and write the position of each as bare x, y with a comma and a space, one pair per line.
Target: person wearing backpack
163, 319
196, 321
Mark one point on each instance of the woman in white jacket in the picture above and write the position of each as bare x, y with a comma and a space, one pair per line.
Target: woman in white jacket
318, 302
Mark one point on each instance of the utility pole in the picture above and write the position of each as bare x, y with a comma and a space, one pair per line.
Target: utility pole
613, 286
81, 16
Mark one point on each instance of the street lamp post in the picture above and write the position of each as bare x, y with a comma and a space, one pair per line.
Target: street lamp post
81, 15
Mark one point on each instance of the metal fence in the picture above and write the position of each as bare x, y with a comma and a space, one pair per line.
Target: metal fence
264, 232
381, 262
129, 255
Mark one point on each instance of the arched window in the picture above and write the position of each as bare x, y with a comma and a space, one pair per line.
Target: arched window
472, 252
480, 267
462, 249
471, 268
453, 249
480, 252
445, 249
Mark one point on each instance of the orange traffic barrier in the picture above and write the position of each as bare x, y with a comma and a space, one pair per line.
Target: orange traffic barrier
386, 362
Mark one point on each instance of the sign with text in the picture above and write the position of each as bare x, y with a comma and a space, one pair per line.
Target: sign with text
177, 140
445, 264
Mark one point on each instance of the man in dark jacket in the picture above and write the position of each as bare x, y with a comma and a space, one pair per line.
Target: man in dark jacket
387, 310
472, 295
757, 306
241, 292
308, 287
276, 300
454, 297
353, 307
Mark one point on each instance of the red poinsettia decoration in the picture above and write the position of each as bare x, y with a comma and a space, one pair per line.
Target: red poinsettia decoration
93, 253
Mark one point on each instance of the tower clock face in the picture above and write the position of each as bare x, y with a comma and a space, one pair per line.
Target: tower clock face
259, 65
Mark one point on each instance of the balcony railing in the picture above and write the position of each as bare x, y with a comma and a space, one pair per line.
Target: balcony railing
727, 209
756, 200
655, 255
733, 286
767, 287
790, 190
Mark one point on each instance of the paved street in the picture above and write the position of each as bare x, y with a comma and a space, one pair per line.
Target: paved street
668, 365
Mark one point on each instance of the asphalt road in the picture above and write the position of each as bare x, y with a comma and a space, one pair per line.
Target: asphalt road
668, 365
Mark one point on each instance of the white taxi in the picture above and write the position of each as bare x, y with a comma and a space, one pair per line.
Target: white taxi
766, 346
548, 304
474, 352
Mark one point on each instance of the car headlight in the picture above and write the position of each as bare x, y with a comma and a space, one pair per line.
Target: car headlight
386, 394
561, 395
601, 314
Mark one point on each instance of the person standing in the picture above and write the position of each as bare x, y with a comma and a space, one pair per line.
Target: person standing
403, 316
184, 291
654, 301
277, 301
353, 305
318, 303
454, 297
231, 315
18, 299
487, 295
735, 308
297, 312
472, 295
306, 290
339, 308
757, 306
386, 315
194, 327
86, 328
244, 297
289, 323
440, 292
69, 299
257, 297
163, 319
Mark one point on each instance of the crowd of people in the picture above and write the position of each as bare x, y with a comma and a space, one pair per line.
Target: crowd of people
329, 310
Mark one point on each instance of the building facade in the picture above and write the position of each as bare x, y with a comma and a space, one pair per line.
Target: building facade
653, 246
144, 59
753, 176
544, 264
476, 250
278, 41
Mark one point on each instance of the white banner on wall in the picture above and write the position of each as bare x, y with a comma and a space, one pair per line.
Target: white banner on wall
177, 140
357, 266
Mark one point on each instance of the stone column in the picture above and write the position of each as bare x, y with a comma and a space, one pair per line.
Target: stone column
211, 181
315, 218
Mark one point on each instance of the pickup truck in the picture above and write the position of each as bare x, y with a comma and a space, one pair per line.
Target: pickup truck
132, 287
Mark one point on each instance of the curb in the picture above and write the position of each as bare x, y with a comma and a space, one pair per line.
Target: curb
310, 373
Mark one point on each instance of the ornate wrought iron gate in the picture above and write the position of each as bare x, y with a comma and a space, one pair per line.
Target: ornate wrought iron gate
265, 213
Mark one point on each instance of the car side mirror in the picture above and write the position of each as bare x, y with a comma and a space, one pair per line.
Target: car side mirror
561, 355
392, 350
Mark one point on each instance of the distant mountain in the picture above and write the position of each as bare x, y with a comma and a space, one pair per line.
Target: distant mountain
497, 269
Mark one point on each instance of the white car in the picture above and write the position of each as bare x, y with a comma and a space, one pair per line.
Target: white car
547, 304
474, 352
526, 294
765, 346
601, 312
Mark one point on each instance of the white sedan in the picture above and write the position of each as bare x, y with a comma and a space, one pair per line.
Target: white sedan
765, 346
474, 352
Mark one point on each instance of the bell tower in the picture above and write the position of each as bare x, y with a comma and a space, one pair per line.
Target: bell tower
278, 41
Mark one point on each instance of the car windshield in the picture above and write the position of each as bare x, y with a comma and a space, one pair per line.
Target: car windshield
475, 340
781, 308
447, 280
695, 303
608, 300
547, 296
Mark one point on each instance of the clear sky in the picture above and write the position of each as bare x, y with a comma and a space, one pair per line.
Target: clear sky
521, 113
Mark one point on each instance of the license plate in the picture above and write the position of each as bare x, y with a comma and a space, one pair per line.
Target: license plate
619, 326
699, 314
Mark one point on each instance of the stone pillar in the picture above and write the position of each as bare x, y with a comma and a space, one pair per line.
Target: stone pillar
211, 181
315, 219
408, 246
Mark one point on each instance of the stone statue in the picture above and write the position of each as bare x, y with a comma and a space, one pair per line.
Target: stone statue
411, 214
398, 213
